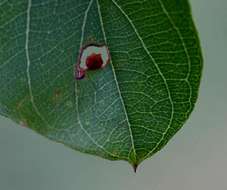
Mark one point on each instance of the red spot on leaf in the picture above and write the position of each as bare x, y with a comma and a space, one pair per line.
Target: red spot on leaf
94, 61
80, 73
91, 57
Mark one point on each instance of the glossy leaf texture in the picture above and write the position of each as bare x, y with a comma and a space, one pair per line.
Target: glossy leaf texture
127, 111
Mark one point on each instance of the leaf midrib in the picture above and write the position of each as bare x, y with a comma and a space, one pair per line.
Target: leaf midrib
118, 88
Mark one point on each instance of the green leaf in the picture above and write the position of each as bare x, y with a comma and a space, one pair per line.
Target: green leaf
127, 111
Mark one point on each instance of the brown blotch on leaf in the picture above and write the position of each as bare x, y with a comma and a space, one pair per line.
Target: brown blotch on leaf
57, 95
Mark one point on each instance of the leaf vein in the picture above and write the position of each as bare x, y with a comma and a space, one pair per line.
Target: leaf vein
117, 85
29, 63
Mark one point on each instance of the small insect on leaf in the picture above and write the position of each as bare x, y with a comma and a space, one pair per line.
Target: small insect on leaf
91, 57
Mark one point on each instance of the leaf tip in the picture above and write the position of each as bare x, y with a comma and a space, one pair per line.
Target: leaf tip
135, 166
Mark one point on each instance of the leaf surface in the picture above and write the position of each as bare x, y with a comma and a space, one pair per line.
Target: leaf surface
127, 111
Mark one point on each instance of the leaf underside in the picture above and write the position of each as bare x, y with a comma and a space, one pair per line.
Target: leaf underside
127, 111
